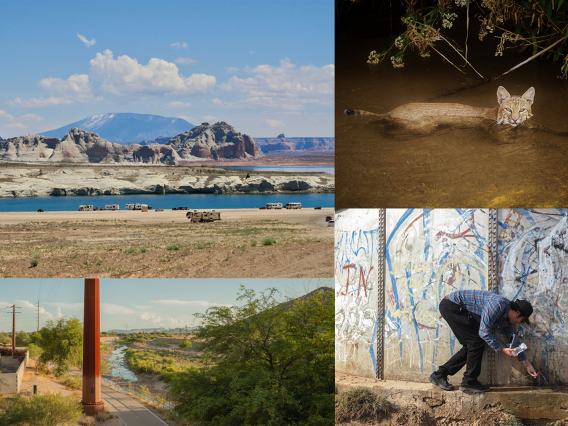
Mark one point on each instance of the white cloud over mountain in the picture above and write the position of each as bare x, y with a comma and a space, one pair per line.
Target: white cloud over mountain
125, 76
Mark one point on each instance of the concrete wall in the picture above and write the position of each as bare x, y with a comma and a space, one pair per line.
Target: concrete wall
356, 261
430, 253
533, 265
10, 382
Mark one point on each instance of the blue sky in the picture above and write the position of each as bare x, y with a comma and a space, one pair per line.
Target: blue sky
140, 303
263, 66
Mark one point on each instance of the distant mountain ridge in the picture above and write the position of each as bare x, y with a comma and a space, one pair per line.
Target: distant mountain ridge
282, 143
126, 127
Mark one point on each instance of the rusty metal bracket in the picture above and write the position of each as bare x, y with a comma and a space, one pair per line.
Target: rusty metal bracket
380, 334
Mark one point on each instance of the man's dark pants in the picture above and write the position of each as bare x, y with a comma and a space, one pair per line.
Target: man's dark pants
466, 330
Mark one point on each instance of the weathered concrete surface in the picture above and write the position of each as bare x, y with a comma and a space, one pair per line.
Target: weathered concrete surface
524, 402
356, 299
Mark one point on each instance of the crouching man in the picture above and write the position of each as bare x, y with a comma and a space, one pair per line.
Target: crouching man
472, 314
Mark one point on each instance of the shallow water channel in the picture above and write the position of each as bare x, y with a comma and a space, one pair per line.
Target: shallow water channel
118, 362
479, 166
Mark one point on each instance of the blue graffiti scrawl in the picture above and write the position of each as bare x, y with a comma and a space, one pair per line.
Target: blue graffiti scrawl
356, 260
533, 265
429, 253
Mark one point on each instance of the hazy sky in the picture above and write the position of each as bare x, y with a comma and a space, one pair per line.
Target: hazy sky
263, 66
140, 303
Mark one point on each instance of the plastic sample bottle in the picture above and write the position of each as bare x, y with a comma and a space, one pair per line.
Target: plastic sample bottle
519, 349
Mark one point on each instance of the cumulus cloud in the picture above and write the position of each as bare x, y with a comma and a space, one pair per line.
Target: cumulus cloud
88, 43
4, 116
177, 104
30, 306
232, 70
209, 118
273, 123
149, 316
38, 102
71, 306
285, 86
58, 313
178, 45
15, 125
75, 89
30, 118
109, 308
186, 118
186, 61
124, 75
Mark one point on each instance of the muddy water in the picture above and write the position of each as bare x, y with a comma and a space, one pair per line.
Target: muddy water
475, 166
119, 364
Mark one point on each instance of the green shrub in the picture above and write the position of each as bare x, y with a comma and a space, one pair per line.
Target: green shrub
143, 249
130, 250
268, 241
73, 382
173, 247
34, 263
185, 344
360, 403
35, 351
41, 410
253, 243
200, 245
105, 367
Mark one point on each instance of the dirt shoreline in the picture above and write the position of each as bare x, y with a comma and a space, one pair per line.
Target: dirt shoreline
245, 243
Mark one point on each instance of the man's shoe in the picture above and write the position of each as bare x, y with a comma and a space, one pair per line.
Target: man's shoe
441, 382
474, 388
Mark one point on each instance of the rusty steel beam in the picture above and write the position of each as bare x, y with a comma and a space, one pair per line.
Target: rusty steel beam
92, 401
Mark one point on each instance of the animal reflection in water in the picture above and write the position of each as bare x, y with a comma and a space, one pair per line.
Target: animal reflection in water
424, 118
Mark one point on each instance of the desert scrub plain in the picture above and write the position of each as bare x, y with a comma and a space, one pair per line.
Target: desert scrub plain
243, 244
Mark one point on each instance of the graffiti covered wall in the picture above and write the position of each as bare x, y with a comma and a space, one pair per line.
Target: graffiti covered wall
429, 254
533, 265
356, 313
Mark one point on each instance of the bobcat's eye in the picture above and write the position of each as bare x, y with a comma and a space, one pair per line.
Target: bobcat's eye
522, 110
509, 109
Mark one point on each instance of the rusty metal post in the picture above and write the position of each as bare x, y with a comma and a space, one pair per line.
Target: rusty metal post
92, 402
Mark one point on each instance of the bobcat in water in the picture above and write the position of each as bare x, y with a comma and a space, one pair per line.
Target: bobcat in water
513, 110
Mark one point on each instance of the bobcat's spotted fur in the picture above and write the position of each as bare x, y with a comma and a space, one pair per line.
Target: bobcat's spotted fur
512, 110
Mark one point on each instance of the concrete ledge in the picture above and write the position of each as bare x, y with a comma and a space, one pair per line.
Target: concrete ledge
524, 402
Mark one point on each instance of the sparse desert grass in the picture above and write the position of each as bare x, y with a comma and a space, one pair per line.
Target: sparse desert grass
113, 248
268, 241
359, 403
73, 382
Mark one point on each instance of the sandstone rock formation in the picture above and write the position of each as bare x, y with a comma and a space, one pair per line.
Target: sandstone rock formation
216, 141
33, 182
219, 141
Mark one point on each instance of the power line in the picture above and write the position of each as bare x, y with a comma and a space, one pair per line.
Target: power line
14, 307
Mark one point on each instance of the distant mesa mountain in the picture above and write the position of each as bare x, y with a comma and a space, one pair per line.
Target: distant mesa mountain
126, 127
282, 143
217, 141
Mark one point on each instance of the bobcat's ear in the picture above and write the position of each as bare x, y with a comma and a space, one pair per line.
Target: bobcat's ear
529, 96
502, 95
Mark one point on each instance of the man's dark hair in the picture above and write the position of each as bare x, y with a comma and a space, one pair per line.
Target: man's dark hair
515, 307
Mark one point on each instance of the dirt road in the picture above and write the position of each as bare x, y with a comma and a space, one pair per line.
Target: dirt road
246, 243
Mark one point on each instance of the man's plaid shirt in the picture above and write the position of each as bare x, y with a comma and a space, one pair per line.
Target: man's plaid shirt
490, 310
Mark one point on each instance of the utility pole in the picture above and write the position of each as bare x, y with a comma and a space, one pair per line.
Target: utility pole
14, 307
38, 316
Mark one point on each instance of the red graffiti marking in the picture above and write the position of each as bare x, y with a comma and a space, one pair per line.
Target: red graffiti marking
362, 278
347, 284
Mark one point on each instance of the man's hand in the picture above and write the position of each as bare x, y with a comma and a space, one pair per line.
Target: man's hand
509, 352
530, 368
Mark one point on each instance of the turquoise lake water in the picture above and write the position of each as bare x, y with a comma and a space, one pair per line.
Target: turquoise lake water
167, 201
